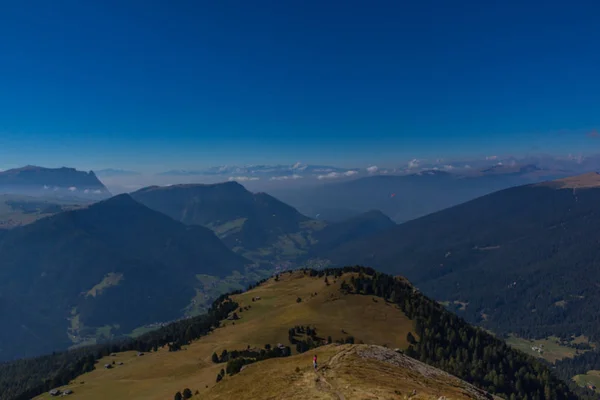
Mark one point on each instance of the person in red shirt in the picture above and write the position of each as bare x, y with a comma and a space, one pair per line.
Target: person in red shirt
315, 362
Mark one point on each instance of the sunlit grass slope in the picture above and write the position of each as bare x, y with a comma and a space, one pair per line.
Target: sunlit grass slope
159, 375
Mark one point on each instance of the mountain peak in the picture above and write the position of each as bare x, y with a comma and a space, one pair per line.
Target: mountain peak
36, 180
121, 200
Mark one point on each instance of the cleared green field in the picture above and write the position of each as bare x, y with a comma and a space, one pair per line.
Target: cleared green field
17, 210
591, 378
551, 349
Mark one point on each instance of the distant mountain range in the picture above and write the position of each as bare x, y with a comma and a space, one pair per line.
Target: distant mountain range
523, 260
263, 170
113, 267
405, 197
241, 218
65, 182
256, 225
570, 165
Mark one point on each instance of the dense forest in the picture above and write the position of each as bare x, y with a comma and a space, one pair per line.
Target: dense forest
569, 367
525, 259
24, 379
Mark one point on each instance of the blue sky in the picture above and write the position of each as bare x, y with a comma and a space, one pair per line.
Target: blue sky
157, 85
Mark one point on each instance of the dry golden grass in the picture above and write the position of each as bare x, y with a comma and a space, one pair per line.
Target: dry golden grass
161, 374
584, 181
347, 372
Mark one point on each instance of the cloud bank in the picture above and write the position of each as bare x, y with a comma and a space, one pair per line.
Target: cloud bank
336, 175
285, 177
243, 178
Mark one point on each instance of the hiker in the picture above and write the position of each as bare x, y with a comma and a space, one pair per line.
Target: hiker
315, 362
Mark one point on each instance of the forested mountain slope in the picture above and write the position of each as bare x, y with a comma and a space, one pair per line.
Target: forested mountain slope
524, 260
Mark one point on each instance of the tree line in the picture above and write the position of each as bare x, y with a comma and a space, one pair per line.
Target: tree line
448, 342
27, 378
441, 339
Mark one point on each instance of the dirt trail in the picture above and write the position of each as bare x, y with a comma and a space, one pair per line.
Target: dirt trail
331, 389
322, 371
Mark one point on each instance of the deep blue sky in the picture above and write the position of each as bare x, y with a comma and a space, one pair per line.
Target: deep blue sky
185, 84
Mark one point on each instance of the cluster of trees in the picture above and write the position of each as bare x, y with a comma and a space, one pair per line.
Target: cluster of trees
236, 359
187, 394
27, 378
310, 340
451, 344
569, 367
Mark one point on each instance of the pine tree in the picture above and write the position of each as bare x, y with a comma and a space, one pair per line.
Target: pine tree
410, 338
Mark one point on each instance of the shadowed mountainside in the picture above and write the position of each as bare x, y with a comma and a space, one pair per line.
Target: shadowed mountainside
115, 265
240, 217
524, 259
256, 224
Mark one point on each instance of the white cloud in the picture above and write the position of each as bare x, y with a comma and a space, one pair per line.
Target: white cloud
299, 166
323, 169
491, 157
335, 175
86, 191
331, 175
46, 187
467, 166
72, 189
448, 167
285, 177
243, 178
372, 169
97, 191
414, 163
